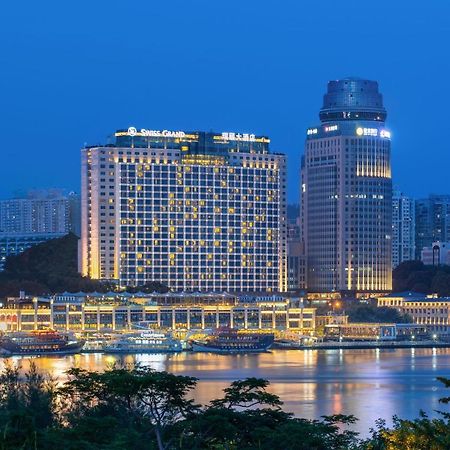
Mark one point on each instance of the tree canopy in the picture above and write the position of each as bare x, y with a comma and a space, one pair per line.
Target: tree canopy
369, 312
139, 408
416, 276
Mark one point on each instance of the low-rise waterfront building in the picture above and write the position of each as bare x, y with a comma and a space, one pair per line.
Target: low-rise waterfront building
175, 311
429, 310
329, 319
376, 331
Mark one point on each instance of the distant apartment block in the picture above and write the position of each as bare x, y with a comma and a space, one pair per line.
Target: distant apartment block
296, 265
15, 243
403, 228
432, 221
35, 218
47, 212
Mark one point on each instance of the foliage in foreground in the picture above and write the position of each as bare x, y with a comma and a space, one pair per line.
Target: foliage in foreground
136, 407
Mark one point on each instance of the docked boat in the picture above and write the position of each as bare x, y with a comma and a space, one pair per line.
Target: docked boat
286, 344
39, 342
230, 340
148, 341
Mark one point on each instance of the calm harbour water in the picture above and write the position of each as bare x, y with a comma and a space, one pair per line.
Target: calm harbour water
367, 383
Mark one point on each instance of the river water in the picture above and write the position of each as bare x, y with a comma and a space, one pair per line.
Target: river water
370, 384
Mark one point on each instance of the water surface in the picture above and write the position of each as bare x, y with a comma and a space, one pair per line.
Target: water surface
367, 383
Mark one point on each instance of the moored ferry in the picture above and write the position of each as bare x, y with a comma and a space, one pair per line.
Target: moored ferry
39, 342
148, 341
230, 340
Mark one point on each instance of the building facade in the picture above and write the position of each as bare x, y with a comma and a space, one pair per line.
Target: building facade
44, 212
97, 313
428, 310
196, 211
432, 221
437, 254
35, 218
346, 192
296, 274
403, 229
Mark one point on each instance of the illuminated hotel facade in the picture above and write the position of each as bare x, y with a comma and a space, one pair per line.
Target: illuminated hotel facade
196, 211
346, 192
174, 311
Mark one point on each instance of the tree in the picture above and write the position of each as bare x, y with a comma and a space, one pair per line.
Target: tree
415, 276
26, 408
372, 313
250, 417
138, 398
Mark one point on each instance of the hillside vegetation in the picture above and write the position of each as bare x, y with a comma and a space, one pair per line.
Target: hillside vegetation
52, 267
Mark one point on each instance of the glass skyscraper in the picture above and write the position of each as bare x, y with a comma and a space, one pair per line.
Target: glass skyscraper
346, 192
196, 211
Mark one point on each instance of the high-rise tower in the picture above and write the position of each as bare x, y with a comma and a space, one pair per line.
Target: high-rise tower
197, 211
346, 192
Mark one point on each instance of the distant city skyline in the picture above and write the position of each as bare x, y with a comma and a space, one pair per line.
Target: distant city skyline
262, 69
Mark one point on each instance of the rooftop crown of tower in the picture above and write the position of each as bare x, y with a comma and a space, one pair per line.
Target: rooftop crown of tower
352, 99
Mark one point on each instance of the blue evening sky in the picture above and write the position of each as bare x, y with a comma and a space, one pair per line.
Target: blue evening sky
73, 72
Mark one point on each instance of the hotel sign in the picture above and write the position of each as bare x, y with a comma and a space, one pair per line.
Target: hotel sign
360, 131
245, 137
330, 128
326, 129
132, 131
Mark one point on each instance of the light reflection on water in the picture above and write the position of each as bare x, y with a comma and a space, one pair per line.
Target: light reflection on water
367, 383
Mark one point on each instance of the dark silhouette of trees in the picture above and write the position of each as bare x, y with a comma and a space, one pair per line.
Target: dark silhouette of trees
52, 267
139, 408
415, 276
371, 313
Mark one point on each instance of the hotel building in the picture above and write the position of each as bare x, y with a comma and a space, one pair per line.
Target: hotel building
346, 192
197, 211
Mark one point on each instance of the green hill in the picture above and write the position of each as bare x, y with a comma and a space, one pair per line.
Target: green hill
52, 267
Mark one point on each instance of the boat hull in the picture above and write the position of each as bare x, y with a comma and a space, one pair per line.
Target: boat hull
199, 347
12, 350
138, 351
